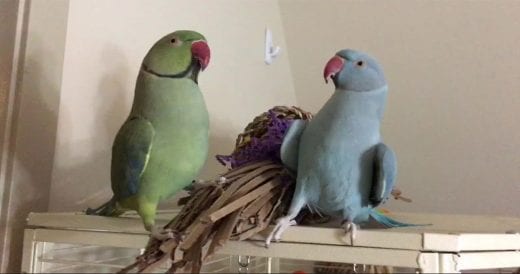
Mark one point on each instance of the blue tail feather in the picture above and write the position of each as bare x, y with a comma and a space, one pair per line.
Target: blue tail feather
387, 221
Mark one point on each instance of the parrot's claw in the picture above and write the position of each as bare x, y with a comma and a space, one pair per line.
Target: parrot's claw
351, 230
195, 184
161, 234
221, 180
281, 225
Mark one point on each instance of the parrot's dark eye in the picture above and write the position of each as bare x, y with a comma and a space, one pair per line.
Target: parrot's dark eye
173, 41
360, 63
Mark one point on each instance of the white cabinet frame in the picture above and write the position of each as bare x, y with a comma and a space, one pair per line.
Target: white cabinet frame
428, 249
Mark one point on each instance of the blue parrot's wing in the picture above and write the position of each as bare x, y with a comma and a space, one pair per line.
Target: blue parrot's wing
130, 155
385, 170
291, 144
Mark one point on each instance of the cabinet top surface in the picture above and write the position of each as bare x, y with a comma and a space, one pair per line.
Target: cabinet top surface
446, 233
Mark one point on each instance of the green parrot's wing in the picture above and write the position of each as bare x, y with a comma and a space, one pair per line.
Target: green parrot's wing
291, 144
130, 155
385, 171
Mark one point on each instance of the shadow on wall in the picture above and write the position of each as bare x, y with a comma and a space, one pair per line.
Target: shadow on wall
219, 144
83, 177
34, 134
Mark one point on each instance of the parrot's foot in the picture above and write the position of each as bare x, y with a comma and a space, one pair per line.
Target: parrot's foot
350, 230
281, 225
161, 233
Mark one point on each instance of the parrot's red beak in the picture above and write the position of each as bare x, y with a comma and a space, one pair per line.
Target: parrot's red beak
334, 65
201, 52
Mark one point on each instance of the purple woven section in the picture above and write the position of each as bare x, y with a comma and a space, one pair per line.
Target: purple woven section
265, 148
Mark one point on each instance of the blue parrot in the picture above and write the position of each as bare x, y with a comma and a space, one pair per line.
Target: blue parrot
343, 168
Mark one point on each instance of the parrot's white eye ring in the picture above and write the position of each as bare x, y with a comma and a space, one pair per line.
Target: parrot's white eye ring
175, 42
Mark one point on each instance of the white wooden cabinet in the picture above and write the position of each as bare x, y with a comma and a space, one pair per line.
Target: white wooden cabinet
73, 242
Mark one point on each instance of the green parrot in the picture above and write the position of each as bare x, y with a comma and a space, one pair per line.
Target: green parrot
163, 143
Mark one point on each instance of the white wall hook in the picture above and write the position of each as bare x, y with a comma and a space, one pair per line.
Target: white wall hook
271, 52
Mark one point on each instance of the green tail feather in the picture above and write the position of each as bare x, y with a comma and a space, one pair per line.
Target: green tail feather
107, 209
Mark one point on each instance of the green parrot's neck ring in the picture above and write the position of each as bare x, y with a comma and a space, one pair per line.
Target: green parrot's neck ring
191, 72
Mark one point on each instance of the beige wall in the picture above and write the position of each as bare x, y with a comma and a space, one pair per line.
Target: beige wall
33, 131
453, 69
106, 41
8, 19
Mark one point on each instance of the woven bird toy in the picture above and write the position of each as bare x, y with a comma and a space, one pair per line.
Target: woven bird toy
236, 205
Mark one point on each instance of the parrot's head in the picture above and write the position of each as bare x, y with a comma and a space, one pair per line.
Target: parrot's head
181, 54
354, 70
